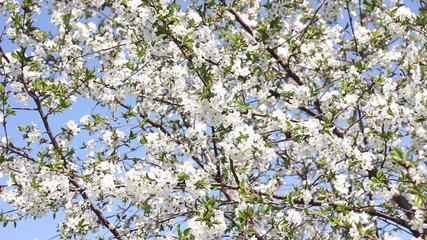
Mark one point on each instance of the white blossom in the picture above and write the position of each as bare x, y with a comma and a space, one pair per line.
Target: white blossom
73, 127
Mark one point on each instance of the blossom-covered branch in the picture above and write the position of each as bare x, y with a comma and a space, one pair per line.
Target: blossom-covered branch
212, 119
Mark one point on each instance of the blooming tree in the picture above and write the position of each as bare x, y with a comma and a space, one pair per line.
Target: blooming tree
216, 119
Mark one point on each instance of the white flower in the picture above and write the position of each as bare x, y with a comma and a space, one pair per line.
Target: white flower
417, 223
73, 127
193, 15
5, 140
341, 184
91, 144
294, 216
34, 134
85, 119
107, 137
404, 12
107, 183
307, 196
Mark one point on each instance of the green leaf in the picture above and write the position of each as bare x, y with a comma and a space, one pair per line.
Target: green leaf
86, 177
399, 153
418, 201
187, 231
379, 174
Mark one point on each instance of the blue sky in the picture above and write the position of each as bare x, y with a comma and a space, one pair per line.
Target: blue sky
41, 229
45, 228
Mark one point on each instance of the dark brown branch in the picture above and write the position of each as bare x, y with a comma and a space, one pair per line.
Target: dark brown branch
98, 213
233, 170
3, 55
16, 151
270, 50
46, 124
24, 109
188, 57
103, 50
218, 165
350, 19
58, 150
285, 66
151, 122
336, 130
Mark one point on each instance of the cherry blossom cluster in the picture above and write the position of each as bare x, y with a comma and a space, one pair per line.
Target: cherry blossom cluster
215, 119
